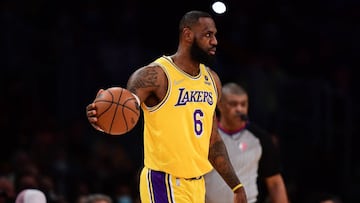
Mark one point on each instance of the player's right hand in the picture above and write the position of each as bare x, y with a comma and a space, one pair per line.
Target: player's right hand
91, 113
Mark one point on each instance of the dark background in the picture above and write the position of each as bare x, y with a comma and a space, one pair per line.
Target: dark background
297, 59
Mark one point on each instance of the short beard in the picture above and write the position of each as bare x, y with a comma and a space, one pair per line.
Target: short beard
201, 56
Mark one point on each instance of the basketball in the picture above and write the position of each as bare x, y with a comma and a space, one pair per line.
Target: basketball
117, 109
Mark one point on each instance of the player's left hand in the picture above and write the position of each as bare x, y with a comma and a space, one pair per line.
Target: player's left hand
240, 196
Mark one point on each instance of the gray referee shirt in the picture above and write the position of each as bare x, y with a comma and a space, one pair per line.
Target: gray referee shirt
244, 150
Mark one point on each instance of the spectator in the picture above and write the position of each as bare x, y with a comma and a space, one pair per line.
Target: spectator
97, 198
31, 196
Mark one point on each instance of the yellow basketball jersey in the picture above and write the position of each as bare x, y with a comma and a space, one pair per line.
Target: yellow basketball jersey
177, 130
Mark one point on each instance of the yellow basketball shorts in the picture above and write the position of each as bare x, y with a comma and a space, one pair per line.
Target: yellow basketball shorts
160, 187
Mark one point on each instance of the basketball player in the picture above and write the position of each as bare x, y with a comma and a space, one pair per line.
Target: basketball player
250, 149
178, 96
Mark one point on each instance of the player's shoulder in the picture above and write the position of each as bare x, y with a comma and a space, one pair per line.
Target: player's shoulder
216, 79
148, 75
212, 71
149, 69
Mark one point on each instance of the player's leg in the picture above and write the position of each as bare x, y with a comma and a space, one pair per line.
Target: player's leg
159, 187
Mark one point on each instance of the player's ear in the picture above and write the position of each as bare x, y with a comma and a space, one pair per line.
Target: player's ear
188, 34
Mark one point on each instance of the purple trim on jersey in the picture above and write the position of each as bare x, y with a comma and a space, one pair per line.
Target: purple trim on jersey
170, 189
159, 186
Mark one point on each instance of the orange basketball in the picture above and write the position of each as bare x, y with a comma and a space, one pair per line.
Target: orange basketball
117, 109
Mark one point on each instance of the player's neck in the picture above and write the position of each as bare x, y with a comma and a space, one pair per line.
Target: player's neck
185, 63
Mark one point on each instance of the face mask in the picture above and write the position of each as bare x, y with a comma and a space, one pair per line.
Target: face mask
124, 199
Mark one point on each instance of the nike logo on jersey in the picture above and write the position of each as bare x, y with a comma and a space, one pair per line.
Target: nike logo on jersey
176, 82
186, 96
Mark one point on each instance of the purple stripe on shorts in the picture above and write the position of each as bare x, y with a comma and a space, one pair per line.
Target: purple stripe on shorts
159, 186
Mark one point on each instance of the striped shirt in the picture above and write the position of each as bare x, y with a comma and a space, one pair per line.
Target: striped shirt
251, 153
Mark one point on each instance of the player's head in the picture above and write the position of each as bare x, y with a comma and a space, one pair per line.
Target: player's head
197, 30
234, 103
30, 196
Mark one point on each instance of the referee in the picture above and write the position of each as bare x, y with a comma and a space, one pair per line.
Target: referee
251, 151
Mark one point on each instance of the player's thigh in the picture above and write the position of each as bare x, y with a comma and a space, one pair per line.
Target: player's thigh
164, 188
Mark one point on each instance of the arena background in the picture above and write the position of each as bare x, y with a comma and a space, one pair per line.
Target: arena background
297, 59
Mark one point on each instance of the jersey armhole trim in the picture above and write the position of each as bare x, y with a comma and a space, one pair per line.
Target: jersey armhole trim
156, 107
213, 81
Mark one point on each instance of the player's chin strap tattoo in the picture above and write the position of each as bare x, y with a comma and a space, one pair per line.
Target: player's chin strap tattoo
219, 158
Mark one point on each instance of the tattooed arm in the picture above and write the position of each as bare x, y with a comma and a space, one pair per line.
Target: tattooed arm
219, 158
149, 83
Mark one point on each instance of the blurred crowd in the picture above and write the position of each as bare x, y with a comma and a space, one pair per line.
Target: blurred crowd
296, 59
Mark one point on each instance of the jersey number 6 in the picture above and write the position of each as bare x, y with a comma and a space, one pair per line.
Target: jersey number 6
198, 124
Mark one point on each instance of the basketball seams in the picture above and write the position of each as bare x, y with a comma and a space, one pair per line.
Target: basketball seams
126, 107
106, 101
116, 103
116, 110
117, 114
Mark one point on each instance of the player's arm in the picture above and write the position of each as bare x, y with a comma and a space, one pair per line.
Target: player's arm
219, 158
148, 83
